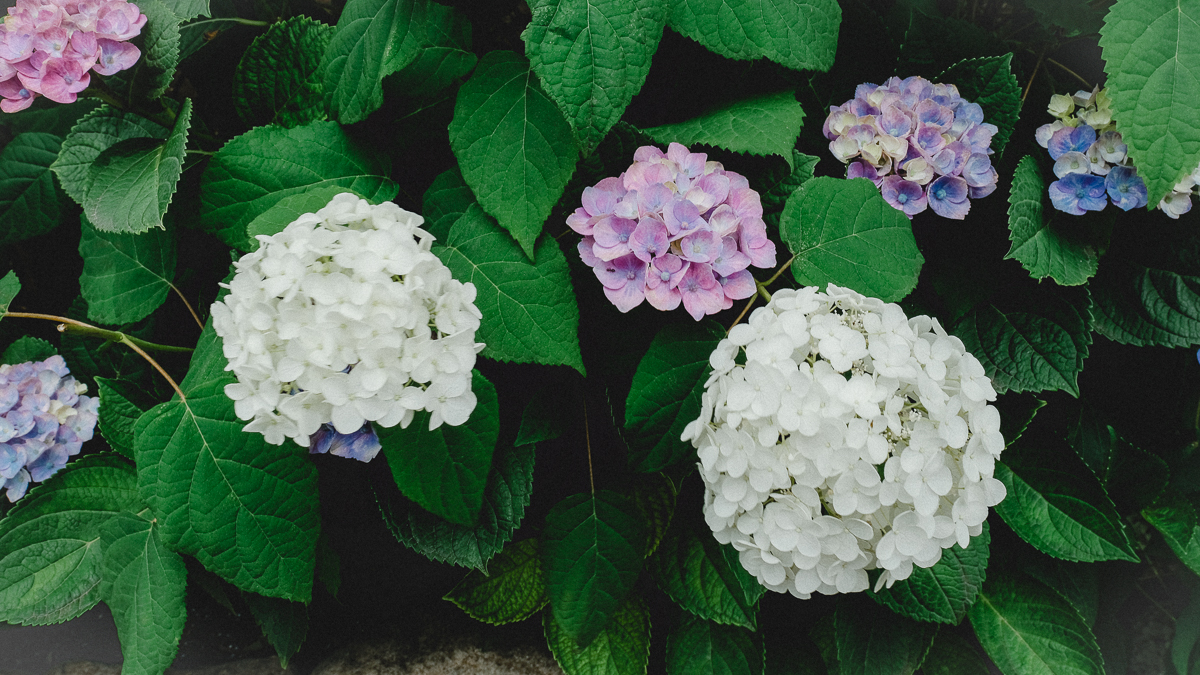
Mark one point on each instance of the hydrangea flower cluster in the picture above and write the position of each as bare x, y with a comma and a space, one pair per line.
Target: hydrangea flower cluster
1091, 161
44, 419
673, 228
50, 47
921, 143
850, 438
346, 318
1179, 200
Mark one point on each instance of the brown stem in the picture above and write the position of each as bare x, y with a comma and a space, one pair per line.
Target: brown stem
1077, 75
188, 305
1031, 77
587, 434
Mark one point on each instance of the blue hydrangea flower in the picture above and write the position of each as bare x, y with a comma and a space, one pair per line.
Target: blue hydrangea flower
1078, 193
948, 197
1126, 188
362, 445
1068, 139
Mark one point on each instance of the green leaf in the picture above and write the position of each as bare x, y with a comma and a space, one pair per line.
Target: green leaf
144, 584
30, 205
88, 359
50, 552
289, 209
446, 469
1038, 346
843, 232
1187, 633
513, 589
509, 487
1076, 16
446, 200
1042, 242
188, 9
513, 145
51, 118
444, 57
131, 183
276, 80
944, 592
591, 553
780, 184
1016, 414
1151, 52
593, 57
1132, 477
160, 48
705, 577
952, 654
121, 404
873, 641
622, 647
989, 81
529, 310
247, 510
125, 276
1174, 515
665, 395
700, 647
329, 565
96, 132
194, 35
802, 36
256, 170
654, 494
765, 125
1027, 628
543, 418
27, 348
1079, 583
9, 287
1141, 305
283, 622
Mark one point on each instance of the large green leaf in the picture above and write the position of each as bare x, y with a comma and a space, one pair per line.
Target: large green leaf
1175, 516
444, 57
188, 9
513, 145
775, 187
29, 203
50, 550
160, 48
446, 469
1042, 241
26, 348
621, 648
1152, 57
513, 588
509, 487
1144, 305
952, 654
591, 554
289, 209
843, 232
989, 81
873, 641
283, 622
96, 132
529, 310
125, 276
446, 200
765, 125
276, 80
800, 35
244, 508
256, 170
1133, 477
592, 56
121, 404
699, 647
52, 118
144, 584
944, 592
665, 395
654, 494
1029, 629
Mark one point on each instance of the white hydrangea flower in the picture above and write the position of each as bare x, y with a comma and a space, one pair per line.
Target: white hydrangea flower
344, 318
838, 436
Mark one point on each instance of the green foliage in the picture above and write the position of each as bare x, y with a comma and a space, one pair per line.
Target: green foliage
542, 419
621, 648
1152, 59
30, 204
53, 119
843, 232
513, 588
529, 309
289, 209
765, 125
283, 622
121, 404
699, 646
9, 287
1187, 633
665, 395
1074, 16
1042, 241
778, 186
1026, 627
256, 170
276, 80
654, 494
989, 81
873, 641
942, 593
125, 276
802, 36
444, 57
1133, 477
446, 200
188, 9
27, 349
952, 654
160, 47
1143, 305
96, 132
1175, 516
592, 57
144, 584
591, 554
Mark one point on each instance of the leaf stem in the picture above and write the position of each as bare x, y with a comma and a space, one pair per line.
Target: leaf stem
779, 271
587, 435
1075, 74
761, 290
744, 310
1034, 75
188, 305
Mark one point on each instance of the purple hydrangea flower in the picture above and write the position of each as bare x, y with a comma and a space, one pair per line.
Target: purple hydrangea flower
948, 197
1126, 189
1071, 139
362, 445
904, 195
1078, 193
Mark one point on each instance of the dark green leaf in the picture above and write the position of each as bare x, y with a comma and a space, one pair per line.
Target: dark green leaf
125, 276
289, 209
944, 592
160, 47
621, 648
654, 495
1016, 414
446, 200
9, 287
1133, 477
701, 647
187, 9
329, 565
989, 81
276, 80
121, 404
782, 182
543, 419
873, 641
51, 118
444, 57
1187, 633
1076, 16
95, 133
283, 622
27, 349
1042, 241
29, 203
952, 654
513, 589
798, 35
1079, 583
1174, 515
195, 34
1141, 305
764, 125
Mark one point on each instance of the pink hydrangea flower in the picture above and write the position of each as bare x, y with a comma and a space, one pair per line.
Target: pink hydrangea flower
673, 229
49, 47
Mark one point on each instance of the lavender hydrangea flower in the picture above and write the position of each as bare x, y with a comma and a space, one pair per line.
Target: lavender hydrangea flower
948, 197
1078, 193
904, 195
362, 445
1126, 189
1067, 139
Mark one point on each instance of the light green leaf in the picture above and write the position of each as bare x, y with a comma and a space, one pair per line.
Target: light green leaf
1142, 305
873, 641
621, 648
444, 57
9, 287
283, 622
276, 80
446, 200
1027, 628
701, 647
513, 588
160, 47
247, 510
952, 654
665, 395
131, 183
26, 348
513, 145
125, 276
799, 35
96, 132
1042, 242
944, 592
188, 9
766, 125
256, 170
30, 205
289, 209
144, 584
593, 56
591, 553
121, 404
1174, 515
50, 560
1151, 51
529, 310
843, 232
989, 81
